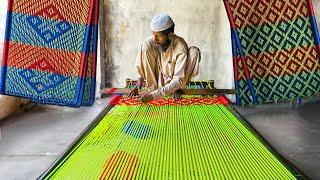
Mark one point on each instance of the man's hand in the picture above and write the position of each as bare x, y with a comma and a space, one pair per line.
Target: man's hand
134, 92
177, 95
146, 98
137, 88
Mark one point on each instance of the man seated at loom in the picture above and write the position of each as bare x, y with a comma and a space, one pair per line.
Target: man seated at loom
164, 61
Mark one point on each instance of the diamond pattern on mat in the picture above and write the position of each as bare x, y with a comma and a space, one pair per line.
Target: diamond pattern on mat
42, 65
170, 101
281, 63
288, 86
272, 38
279, 48
41, 82
49, 30
258, 12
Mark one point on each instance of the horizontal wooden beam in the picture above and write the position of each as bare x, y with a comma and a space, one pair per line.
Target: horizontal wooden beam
126, 91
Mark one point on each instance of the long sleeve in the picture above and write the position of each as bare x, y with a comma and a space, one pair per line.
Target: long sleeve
147, 64
139, 65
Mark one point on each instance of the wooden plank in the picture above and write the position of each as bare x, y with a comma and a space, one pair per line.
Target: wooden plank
207, 91
126, 91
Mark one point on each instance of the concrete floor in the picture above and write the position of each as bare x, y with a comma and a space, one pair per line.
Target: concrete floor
293, 132
31, 141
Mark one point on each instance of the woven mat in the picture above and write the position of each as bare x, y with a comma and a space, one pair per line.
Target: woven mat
276, 52
50, 51
198, 141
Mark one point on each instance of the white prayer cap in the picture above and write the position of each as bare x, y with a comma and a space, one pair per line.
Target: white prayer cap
161, 22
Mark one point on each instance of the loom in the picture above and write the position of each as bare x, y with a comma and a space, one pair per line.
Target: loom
204, 88
193, 137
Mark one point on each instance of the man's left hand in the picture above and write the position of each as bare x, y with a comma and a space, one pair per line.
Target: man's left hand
146, 98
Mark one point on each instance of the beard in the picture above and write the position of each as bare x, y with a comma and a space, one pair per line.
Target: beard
165, 46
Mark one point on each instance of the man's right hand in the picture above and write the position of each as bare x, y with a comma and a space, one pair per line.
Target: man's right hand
136, 90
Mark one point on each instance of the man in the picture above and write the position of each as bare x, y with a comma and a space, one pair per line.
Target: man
164, 61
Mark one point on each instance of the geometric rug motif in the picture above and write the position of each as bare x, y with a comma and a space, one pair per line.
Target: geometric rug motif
273, 38
40, 82
253, 12
276, 42
50, 50
120, 160
136, 129
285, 62
287, 87
170, 101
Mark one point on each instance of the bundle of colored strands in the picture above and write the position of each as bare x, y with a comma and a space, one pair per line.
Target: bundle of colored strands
275, 48
50, 51
195, 138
